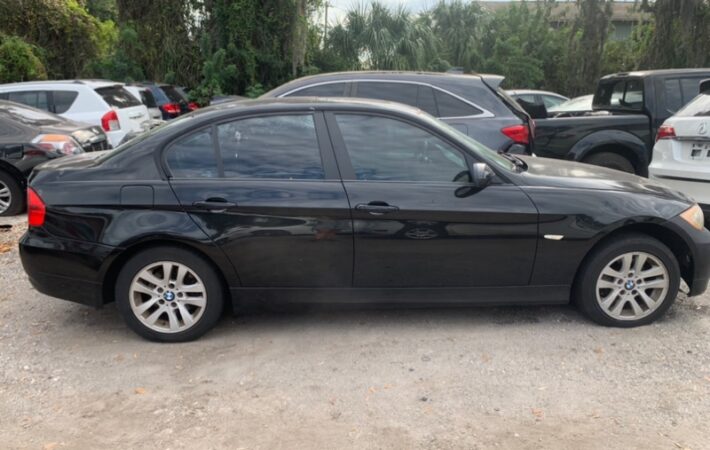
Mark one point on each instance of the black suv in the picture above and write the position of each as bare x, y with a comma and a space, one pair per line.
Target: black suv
473, 104
30, 136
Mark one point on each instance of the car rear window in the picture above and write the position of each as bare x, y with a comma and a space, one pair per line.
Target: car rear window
117, 96
148, 99
620, 94
173, 94
700, 107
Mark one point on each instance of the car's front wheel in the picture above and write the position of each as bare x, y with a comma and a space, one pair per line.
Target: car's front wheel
628, 281
169, 294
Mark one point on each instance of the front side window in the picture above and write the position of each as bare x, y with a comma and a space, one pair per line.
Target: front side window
277, 147
384, 149
193, 156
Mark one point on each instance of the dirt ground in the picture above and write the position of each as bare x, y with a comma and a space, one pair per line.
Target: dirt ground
476, 378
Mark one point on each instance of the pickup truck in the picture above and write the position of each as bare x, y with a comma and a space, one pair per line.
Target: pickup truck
620, 132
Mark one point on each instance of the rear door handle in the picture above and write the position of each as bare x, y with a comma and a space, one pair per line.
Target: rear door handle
214, 204
376, 208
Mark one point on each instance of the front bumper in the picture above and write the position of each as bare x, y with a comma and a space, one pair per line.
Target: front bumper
698, 241
65, 269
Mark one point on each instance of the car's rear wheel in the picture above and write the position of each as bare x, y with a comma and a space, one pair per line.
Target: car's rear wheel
628, 281
169, 294
12, 199
611, 161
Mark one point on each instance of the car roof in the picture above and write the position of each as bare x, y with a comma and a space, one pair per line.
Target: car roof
90, 83
304, 103
659, 72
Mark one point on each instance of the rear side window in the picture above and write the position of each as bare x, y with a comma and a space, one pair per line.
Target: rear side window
117, 96
323, 90
63, 100
277, 147
394, 92
35, 99
193, 156
450, 106
700, 107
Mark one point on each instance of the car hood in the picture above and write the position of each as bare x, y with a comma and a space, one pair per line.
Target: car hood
558, 173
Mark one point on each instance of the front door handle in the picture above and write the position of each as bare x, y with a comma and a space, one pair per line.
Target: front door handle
376, 208
214, 204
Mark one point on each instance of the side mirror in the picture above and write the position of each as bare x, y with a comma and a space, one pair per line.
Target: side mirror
705, 87
481, 175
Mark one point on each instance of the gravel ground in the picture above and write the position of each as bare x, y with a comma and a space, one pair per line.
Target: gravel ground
75, 377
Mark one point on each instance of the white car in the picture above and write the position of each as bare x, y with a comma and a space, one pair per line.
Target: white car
681, 156
96, 102
144, 94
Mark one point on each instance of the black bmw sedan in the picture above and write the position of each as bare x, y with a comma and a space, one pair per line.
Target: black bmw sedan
326, 200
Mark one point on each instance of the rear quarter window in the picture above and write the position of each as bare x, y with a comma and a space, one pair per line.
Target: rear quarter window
63, 100
450, 106
117, 96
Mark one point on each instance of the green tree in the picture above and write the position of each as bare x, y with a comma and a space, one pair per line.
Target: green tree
19, 61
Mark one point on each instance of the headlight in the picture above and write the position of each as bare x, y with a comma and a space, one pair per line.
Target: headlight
694, 216
60, 143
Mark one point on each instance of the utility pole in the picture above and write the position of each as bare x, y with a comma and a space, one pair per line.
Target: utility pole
325, 24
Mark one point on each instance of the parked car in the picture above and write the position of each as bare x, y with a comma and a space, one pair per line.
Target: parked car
30, 136
635, 105
681, 156
146, 97
572, 107
96, 102
546, 98
473, 104
349, 200
170, 100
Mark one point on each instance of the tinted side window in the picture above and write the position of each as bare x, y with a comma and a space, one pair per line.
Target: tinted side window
450, 106
426, 102
323, 90
674, 98
63, 100
280, 147
386, 149
36, 99
147, 98
395, 92
117, 96
193, 156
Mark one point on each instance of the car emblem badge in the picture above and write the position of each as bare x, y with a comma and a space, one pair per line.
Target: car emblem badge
630, 285
169, 296
703, 128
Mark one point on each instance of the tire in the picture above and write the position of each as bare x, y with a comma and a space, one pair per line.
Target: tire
593, 287
192, 293
611, 161
12, 198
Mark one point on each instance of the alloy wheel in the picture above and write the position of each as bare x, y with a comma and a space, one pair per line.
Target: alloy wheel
5, 197
632, 286
168, 297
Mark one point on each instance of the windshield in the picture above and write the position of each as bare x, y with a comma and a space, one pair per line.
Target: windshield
29, 116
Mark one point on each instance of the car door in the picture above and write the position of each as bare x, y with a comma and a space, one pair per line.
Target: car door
416, 220
266, 190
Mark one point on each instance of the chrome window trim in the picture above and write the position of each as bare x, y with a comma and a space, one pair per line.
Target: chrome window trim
484, 112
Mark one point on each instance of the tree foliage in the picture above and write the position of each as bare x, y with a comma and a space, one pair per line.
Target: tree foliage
19, 61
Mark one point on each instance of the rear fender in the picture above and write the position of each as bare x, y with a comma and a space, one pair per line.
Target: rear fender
626, 143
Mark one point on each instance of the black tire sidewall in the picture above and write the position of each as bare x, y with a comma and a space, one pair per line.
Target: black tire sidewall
585, 294
17, 199
213, 286
611, 161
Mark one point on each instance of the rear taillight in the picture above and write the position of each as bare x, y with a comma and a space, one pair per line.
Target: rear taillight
172, 109
665, 132
520, 134
60, 143
193, 106
109, 121
36, 209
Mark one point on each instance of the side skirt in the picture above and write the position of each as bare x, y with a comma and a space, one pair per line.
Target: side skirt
489, 296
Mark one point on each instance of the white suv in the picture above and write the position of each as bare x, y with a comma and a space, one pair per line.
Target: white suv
96, 102
681, 156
